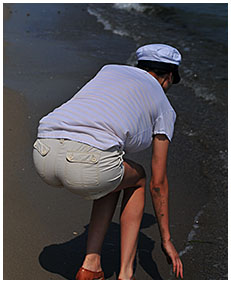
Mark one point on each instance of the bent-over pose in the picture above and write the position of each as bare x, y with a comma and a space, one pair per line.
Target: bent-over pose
81, 147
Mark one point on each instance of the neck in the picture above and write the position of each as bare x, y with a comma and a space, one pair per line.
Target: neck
159, 79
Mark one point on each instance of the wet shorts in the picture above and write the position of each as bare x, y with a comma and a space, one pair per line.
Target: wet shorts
85, 170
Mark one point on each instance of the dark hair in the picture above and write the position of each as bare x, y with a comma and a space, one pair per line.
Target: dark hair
160, 68
158, 72
151, 66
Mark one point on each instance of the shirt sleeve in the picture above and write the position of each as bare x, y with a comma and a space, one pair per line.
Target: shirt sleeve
164, 124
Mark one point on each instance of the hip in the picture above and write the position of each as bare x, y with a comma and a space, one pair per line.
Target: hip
85, 170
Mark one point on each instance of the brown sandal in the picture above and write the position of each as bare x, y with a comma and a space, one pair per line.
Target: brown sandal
85, 274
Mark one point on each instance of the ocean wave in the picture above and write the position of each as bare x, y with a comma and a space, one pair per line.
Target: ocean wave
130, 7
100, 19
146, 8
192, 233
106, 24
152, 23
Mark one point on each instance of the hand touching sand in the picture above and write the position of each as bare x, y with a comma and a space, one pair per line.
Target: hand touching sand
173, 257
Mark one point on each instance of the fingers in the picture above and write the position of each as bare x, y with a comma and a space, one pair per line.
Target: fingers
177, 267
173, 256
174, 266
181, 270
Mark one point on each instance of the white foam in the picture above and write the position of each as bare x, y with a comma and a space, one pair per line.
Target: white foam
106, 24
192, 233
204, 92
199, 90
189, 133
130, 7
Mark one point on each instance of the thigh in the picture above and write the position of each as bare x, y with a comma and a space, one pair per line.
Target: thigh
134, 175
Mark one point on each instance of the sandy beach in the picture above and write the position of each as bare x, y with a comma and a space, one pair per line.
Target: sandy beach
45, 229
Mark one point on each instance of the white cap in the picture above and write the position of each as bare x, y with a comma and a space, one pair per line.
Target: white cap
159, 53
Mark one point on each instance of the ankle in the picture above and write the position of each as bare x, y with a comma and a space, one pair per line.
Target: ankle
92, 262
126, 274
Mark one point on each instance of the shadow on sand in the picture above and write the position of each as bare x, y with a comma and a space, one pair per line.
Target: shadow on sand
66, 258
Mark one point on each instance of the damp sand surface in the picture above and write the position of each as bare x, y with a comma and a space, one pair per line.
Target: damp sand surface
47, 58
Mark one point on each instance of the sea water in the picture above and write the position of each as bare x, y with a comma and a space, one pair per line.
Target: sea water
53, 49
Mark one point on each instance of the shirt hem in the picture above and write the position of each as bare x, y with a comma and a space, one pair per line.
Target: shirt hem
162, 133
45, 136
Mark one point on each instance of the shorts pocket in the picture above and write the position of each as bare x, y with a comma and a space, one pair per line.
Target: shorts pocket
82, 169
41, 147
39, 154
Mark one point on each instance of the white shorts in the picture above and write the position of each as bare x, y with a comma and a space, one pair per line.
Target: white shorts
84, 170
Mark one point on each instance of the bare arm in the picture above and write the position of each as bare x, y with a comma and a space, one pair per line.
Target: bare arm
159, 193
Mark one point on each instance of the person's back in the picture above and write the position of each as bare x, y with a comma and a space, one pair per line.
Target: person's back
118, 107
81, 144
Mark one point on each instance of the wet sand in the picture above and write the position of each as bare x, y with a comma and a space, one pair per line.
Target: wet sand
45, 229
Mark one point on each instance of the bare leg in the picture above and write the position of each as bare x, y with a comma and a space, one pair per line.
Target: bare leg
101, 215
131, 216
132, 211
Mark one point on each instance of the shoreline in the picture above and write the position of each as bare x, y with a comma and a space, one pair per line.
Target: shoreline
44, 228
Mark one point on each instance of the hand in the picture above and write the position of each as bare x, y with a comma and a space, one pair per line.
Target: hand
173, 257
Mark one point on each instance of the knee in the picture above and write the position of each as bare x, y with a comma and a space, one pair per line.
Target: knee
140, 172
134, 176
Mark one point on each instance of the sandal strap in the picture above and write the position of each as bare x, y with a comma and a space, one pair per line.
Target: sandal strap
86, 274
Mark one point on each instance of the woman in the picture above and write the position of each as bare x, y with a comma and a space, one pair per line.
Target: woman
81, 144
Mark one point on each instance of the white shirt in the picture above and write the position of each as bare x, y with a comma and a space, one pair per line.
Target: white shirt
121, 106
